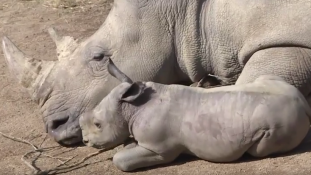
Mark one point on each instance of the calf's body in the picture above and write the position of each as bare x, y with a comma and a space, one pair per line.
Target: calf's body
221, 124
261, 118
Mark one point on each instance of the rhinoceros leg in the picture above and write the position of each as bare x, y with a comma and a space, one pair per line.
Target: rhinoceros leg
138, 157
291, 63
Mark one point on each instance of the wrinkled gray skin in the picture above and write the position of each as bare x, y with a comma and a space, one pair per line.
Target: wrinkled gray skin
261, 118
168, 42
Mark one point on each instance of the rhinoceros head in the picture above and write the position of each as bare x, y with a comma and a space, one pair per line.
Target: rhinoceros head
133, 36
64, 88
106, 126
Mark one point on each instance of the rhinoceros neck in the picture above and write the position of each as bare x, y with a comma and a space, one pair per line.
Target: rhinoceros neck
192, 45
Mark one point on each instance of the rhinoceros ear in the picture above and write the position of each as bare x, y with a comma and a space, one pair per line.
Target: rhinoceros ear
117, 73
134, 91
65, 45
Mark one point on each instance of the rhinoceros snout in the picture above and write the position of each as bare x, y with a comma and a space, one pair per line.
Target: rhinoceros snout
65, 131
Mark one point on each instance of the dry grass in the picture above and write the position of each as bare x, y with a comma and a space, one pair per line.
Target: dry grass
62, 3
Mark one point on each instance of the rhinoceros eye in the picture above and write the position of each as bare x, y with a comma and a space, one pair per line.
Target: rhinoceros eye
97, 64
99, 57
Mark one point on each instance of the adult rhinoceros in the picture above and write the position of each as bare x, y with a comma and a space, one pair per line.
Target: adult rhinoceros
168, 42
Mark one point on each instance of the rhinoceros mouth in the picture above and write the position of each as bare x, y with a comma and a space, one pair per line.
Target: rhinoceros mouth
99, 146
73, 141
69, 141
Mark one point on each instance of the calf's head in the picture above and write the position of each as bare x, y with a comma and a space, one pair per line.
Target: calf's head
106, 126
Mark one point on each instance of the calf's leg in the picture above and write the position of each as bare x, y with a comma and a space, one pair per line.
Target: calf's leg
281, 127
130, 143
279, 140
138, 157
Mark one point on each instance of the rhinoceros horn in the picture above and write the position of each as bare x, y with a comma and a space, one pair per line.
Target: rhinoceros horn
31, 73
115, 72
65, 45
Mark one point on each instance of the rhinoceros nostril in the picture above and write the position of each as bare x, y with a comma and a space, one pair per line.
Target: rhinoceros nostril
85, 142
59, 122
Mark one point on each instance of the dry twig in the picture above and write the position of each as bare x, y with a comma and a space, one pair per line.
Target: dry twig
19, 140
60, 167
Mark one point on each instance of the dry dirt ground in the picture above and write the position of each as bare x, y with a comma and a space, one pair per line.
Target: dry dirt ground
26, 23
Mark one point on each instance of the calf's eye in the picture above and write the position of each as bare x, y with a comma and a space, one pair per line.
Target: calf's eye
98, 125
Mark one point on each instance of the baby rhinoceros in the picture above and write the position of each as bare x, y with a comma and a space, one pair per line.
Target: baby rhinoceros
261, 118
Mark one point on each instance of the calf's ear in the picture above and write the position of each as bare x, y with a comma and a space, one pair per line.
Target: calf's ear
133, 92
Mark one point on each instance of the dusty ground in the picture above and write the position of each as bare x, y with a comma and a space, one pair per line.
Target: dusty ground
25, 22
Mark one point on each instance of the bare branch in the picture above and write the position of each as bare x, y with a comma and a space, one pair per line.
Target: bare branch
19, 140
63, 164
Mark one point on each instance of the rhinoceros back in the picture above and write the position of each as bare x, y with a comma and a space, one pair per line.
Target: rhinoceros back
226, 124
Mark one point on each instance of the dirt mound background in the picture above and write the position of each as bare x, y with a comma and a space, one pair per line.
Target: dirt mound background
26, 23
